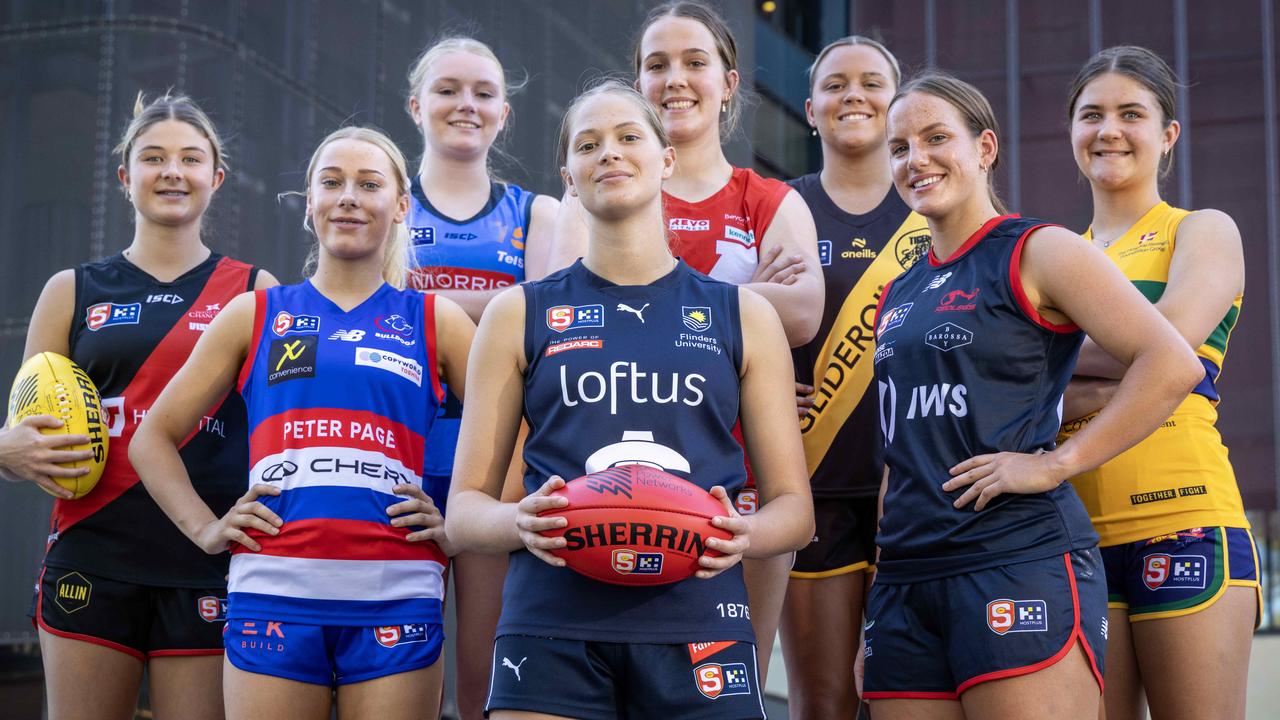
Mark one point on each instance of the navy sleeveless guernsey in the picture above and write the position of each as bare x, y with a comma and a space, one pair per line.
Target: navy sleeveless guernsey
618, 375
131, 333
966, 366
483, 252
339, 405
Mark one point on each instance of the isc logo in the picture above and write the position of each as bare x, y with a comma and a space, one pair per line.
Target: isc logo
630, 562
714, 680
1006, 616
1164, 572
212, 609
108, 314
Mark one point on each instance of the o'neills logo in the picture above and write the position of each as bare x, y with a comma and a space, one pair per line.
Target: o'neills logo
688, 224
681, 540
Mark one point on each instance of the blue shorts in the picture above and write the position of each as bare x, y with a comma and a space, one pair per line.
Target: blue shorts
608, 681
330, 654
935, 639
1180, 573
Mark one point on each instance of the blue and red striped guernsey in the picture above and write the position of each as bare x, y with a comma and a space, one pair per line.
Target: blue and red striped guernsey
339, 406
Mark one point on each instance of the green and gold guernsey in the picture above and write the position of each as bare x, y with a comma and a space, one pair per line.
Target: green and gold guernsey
1179, 477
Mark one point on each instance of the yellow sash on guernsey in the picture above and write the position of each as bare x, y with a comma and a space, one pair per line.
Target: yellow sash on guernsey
842, 372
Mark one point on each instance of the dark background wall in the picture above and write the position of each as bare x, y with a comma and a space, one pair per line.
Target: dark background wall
277, 76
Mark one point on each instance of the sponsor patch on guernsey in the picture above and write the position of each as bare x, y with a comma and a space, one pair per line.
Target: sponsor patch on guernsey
577, 344
406, 368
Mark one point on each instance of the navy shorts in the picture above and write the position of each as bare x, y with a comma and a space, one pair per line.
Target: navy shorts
139, 620
617, 681
935, 639
1180, 573
331, 654
844, 538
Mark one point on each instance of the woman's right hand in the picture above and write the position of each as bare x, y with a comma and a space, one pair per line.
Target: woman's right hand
26, 454
804, 398
218, 535
774, 267
531, 525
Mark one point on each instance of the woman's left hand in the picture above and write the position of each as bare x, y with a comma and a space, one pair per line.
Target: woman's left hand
421, 511
730, 550
1008, 472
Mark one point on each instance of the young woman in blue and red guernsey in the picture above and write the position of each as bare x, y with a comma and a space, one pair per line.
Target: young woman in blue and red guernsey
867, 236
1181, 566
702, 354
471, 236
120, 590
338, 554
988, 596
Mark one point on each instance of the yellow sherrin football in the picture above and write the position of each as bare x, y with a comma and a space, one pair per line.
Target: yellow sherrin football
50, 384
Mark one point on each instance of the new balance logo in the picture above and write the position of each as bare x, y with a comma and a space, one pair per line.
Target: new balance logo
515, 667
348, 335
623, 307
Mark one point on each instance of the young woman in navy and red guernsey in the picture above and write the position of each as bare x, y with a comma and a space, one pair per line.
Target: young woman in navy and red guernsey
1182, 569
338, 554
725, 221
471, 237
989, 596
568, 645
866, 236
119, 589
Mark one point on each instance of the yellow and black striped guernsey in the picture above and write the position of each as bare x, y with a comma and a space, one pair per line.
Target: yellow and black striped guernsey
1179, 477
859, 255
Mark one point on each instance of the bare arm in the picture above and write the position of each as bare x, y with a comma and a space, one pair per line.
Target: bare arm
785, 519
1086, 395
208, 374
1205, 276
569, 238
26, 454
478, 520
537, 246
1068, 279
264, 280
798, 302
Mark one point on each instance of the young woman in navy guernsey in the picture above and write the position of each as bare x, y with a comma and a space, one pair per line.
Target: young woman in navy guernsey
989, 596
337, 553
471, 236
567, 645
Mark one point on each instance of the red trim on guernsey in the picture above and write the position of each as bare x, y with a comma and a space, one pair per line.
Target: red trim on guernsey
186, 653
1077, 635
228, 279
987, 227
40, 623
1020, 294
429, 332
303, 428
910, 696
329, 539
259, 310
875, 323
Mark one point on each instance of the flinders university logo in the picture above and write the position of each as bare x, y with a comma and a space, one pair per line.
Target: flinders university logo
697, 319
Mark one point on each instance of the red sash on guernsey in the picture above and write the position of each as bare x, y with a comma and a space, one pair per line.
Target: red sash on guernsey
229, 278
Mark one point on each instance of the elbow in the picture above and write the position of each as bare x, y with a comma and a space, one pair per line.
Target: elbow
1191, 371
802, 328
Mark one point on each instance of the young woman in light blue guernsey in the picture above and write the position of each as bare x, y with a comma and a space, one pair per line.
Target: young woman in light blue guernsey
471, 236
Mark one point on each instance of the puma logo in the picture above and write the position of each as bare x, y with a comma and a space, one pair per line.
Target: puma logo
515, 668
623, 307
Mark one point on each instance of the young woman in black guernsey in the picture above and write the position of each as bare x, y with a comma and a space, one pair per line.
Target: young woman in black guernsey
989, 597
866, 236
583, 633
119, 590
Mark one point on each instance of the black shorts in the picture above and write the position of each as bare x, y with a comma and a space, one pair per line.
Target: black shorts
625, 681
844, 538
139, 620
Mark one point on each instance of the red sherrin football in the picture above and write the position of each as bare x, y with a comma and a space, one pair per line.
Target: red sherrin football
636, 525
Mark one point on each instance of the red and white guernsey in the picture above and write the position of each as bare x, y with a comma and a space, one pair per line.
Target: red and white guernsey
339, 405
720, 235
